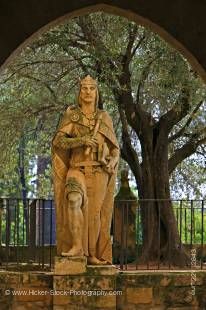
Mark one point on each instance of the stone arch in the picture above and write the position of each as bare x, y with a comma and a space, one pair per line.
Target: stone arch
116, 10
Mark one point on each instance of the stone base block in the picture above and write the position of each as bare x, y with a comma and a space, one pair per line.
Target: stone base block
68, 265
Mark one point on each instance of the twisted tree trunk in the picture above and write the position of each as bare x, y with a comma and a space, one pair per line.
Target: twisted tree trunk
161, 241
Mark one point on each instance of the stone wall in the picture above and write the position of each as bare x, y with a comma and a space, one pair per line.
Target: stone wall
140, 290
158, 291
30, 286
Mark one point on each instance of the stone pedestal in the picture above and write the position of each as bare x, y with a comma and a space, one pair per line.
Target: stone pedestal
94, 289
69, 265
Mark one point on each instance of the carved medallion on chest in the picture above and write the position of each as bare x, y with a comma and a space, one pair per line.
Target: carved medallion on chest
75, 117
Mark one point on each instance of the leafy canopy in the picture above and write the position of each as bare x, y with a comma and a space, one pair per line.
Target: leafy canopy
39, 84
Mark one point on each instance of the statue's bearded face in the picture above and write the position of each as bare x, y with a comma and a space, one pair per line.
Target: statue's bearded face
88, 93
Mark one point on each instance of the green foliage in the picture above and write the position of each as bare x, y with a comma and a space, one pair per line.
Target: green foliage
17, 233
37, 87
191, 221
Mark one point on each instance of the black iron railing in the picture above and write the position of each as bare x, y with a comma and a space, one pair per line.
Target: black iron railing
28, 236
27, 232
129, 242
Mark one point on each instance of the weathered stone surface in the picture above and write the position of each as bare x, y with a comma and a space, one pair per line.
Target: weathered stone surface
28, 294
182, 280
157, 296
74, 307
39, 305
73, 282
25, 278
60, 300
104, 283
178, 297
184, 308
3, 277
136, 307
20, 307
102, 270
185, 279
84, 282
57, 307
134, 297
13, 277
41, 279
65, 265
98, 302
121, 301
139, 295
67, 299
59, 282
5, 300
165, 281
139, 279
158, 307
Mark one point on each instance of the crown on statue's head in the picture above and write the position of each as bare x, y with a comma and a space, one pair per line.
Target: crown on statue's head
88, 80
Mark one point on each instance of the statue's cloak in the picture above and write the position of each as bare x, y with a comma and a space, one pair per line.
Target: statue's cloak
60, 165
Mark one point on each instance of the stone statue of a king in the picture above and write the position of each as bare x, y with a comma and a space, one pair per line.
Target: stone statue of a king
85, 156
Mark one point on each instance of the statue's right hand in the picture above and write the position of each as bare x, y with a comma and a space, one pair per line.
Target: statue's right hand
90, 141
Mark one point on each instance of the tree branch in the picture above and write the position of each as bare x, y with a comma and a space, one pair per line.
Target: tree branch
129, 51
27, 76
185, 151
137, 45
143, 77
182, 130
127, 151
178, 111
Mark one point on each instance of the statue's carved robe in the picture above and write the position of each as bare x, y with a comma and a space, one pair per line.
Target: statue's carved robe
97, 185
